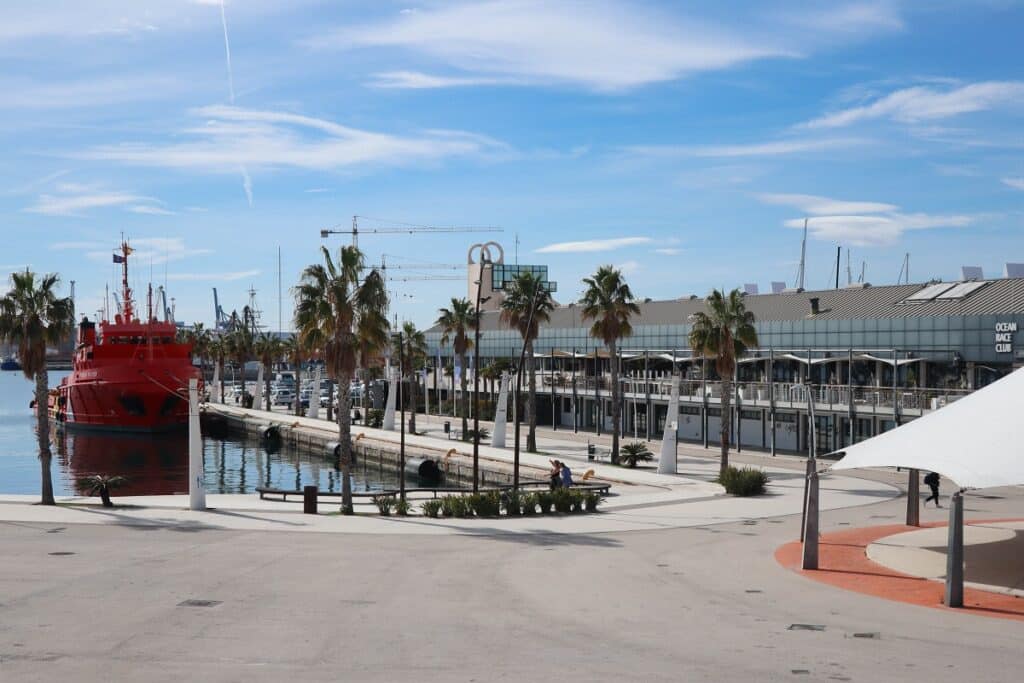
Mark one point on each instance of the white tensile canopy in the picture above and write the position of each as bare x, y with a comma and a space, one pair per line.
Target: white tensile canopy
978, 441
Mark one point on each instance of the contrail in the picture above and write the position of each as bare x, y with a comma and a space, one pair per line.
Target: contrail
246, 180
227, 51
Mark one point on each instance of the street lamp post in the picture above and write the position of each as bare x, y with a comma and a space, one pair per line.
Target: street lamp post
484, 261
401, 405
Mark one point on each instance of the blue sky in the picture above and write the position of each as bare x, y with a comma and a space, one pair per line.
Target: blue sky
683, 142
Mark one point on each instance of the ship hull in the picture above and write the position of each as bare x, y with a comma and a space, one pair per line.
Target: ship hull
123, 404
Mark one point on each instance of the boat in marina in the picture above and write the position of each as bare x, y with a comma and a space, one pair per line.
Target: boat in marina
127, 374
10, 363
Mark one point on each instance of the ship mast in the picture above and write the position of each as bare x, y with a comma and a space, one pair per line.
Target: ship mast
126, 292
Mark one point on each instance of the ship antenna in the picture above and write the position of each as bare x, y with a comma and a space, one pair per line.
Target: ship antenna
126, 291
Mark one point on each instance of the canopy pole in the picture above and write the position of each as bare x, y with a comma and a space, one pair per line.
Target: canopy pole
914, 498
811, 518
955, 553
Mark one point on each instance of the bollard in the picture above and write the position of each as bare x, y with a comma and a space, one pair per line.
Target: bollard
309, 500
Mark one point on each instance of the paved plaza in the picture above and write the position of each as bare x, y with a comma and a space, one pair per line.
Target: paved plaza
672, 581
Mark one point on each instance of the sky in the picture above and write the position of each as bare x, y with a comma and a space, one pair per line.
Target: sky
685, 143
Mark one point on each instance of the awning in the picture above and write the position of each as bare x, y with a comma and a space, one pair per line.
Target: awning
814, 361
978, 441
888, 361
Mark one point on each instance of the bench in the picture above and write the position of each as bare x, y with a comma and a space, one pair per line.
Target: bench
282, 494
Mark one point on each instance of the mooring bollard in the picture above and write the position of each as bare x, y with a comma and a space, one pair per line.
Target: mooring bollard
309, 495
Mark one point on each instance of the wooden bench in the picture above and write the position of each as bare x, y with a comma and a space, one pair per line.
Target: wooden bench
282, 494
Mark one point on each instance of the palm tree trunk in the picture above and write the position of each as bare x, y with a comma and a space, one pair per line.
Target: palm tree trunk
298, 390
223, 399
412, 403
464, 400
531, 405
616, 417
330, 399
43, 434
266, 384
345, 438
726, 423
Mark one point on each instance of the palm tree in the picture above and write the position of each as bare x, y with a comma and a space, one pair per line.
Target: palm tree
268, 349
412, 357
456, 322
344, 314
199, 338
239, 349
291, 349
609, 302
724, 333
32, 317
217, 352
526, 305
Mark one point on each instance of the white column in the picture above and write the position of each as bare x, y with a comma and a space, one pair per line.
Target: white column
215, 391
389, 408
313, 410
196, 487
257, 394
667, 461
501, 414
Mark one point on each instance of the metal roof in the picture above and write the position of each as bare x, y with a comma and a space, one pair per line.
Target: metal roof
999, 297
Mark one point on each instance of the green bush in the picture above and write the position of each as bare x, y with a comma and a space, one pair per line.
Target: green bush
591, 501
375, 418
545, 499
634, 452
431, 508
485, 504
450, 505
563, 500
402, 507
384, 503
512, 502
528, 503
468, 436
744, 481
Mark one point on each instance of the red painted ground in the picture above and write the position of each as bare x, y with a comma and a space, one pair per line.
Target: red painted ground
843, 562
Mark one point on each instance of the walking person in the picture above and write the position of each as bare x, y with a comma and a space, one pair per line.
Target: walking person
932, 480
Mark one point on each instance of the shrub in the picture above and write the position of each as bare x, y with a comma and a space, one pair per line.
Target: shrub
528, 503
635, 452
743, 482
431, 508
591, 501
545, 499
101, 484
484, 434
563, 500
402, 507
485, 504
375, 418
384, 503
579, 500
451, 505
512, 502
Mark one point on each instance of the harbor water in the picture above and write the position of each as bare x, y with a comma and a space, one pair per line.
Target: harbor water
155, 464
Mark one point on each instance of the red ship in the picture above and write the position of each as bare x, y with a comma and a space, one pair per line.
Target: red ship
128, 375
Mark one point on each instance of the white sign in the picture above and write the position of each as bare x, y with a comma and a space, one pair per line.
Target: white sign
1004, 337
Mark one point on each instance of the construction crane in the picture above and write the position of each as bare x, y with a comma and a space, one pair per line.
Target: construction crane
220, 319
397, 228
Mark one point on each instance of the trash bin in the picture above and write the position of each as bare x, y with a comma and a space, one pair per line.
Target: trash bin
591, 451
309, 499
447, 427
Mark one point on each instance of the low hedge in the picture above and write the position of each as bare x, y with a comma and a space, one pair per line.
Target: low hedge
745, 481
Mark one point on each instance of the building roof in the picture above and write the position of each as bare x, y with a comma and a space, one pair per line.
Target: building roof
997, 297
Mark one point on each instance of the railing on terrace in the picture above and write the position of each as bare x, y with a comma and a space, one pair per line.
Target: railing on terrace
784, 394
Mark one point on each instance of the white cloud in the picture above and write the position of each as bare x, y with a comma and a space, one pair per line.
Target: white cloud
668, 251
604, 45
104, 91
926, 103
416, 80
629, 267
820, 206
599, 44
224, 277
875, 230
232, 137
72, 199
1015, 183
151, 210
150, 250
592, 245
754, 149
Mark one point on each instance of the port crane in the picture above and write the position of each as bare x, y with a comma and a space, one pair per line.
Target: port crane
397, 228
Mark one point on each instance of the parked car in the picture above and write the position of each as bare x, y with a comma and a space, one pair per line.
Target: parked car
284, 397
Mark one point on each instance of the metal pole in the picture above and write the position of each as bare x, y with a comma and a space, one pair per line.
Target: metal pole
575, 400
851, 414
954, 596
895, 381
519, 385
771, 393
476, 382
401, 406
647, 397
913, 498
811, 509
